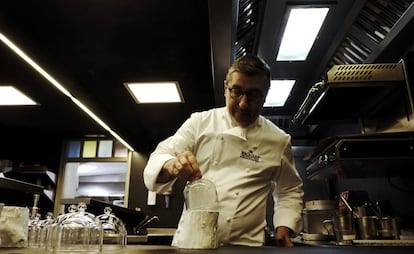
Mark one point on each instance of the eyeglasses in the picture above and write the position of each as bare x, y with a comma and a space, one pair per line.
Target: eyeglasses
253, 95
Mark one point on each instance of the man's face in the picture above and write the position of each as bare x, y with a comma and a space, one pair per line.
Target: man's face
247, 97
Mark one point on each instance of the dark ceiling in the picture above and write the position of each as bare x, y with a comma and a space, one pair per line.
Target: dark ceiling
92, 47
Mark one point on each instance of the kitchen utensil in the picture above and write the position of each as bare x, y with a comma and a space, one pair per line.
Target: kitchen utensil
200, 216
314, 237
367, 227
362, 210
114, 231
313, 221
343, 225
76, 231
45, 226
348, 206
34, 230
200, 194
389, 228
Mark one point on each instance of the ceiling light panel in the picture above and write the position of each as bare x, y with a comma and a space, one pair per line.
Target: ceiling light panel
301, 30
155, 92
279, 92
10, 96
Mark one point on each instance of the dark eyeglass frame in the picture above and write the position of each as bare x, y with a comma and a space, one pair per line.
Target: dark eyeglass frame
237, 93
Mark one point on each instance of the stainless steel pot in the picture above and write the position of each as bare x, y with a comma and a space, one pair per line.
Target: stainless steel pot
313, 215
389, 228
313, 221
367, 227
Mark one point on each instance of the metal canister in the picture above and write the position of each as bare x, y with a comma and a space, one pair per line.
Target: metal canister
367, 227
389, 228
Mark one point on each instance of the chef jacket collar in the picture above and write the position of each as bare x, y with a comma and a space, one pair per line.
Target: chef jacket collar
238, 131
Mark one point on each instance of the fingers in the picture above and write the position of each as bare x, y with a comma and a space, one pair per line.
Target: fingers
283, 237
284, 242
186, 167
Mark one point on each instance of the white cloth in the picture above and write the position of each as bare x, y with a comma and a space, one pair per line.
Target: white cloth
245, 164
14, 223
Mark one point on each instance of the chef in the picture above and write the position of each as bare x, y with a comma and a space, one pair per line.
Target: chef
245, 155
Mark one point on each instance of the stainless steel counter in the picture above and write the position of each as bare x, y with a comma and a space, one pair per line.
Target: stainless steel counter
156, 249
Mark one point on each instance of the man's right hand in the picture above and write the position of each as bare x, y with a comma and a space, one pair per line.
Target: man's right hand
184, 166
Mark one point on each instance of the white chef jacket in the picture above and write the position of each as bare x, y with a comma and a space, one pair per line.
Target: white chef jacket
245, 164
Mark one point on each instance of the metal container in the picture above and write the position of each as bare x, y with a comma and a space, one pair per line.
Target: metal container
313, 221
389, 228
367, 227
343, 226
320, 204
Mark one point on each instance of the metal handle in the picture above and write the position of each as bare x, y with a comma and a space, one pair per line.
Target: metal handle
348, 206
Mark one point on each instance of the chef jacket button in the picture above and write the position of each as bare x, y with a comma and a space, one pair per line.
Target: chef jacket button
228, 220
215, 162
221, 138
237, 193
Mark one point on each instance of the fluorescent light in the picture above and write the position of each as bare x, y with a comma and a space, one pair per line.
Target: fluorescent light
278, 93
155, 92
300, 33
62, 89
10, 96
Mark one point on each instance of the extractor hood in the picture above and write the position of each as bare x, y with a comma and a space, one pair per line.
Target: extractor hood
357, 93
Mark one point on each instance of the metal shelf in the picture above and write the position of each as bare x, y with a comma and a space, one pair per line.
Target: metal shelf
20, 186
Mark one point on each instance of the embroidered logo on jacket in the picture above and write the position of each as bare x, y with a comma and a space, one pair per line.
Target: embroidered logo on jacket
250, 156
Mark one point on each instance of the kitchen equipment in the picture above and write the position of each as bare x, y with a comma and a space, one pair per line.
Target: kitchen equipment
45, 226
131, 217
389, 228
313, 221
348, 206
358, 91
77, 231
200, 216
362, 210
34, 230
360, 156
367, 227
320, 204
313, 215
114, 231
200, 194
343, 225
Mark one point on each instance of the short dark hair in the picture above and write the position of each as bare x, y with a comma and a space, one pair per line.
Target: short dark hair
250, 65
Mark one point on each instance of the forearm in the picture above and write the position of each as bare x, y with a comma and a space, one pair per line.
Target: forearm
153, 170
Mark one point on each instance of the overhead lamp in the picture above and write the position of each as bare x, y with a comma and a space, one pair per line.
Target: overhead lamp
155, 92
278, 93
11, 96
301, 30
62, 89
